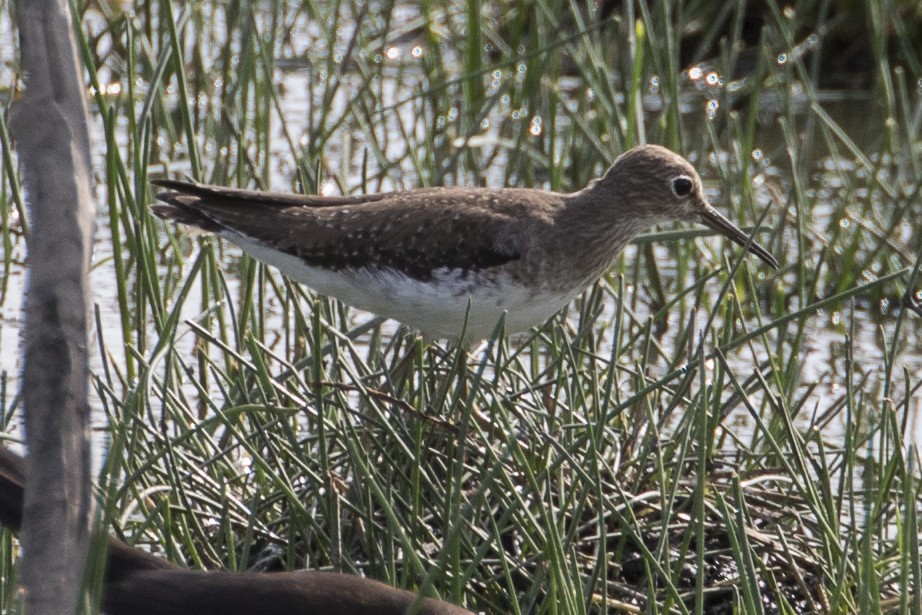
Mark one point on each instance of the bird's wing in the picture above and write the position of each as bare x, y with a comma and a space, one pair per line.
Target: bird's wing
391, 230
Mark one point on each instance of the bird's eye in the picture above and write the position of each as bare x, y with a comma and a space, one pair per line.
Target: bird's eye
682, 186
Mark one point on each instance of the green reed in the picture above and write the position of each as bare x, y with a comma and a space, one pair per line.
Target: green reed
659, 447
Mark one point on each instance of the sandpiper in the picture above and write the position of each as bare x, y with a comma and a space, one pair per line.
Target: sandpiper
452, 262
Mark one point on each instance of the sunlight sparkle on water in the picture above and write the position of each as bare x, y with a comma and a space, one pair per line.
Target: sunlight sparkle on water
535, 129
328, 187
107, 89
712, 108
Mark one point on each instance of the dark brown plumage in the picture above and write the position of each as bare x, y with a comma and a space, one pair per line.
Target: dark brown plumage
347, 233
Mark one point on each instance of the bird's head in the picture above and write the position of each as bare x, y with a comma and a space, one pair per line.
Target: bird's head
656, 185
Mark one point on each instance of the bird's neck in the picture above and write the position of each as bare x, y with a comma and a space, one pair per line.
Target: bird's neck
600, 227
606, 215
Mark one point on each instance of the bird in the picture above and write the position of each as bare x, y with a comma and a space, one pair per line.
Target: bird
453, 262
139, 583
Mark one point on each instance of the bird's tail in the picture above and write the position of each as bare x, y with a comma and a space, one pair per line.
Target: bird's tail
180, 206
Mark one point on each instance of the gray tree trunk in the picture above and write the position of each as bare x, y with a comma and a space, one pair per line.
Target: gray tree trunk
50, 126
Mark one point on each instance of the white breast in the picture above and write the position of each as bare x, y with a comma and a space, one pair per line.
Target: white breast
436, 307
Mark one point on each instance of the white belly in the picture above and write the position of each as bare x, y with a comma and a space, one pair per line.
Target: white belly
437, 307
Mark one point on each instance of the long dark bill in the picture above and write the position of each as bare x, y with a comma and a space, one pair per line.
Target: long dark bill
712, 218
